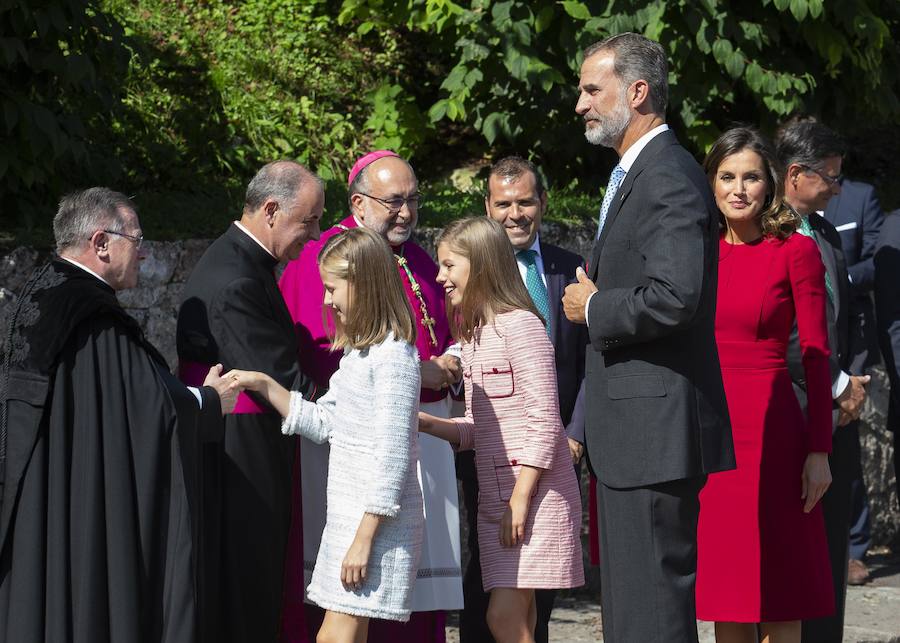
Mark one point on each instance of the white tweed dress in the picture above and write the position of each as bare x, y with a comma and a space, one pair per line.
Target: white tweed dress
369, 417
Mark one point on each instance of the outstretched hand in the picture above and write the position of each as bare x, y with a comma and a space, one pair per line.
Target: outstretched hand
224, 386
576, 297
252, 380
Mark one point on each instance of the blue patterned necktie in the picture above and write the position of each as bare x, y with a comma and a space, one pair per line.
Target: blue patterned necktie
806, 230
615, 180
535, 284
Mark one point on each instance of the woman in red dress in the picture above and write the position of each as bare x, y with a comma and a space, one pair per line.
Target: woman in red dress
762, 556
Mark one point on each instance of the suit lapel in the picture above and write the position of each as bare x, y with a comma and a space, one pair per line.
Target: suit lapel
829, 258
555, 287
642, 161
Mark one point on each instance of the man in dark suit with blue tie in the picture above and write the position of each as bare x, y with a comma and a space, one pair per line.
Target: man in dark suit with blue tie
656, 420
856, 215
516, 199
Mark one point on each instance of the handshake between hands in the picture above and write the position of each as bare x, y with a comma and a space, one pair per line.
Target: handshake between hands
233, 382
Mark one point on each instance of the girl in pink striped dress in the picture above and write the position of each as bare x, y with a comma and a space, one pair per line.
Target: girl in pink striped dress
529, 508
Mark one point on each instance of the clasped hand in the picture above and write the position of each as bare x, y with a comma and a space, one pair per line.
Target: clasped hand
440, 372
226, 387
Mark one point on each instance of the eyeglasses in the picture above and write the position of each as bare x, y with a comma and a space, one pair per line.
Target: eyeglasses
396, 204
829, 180
137, 240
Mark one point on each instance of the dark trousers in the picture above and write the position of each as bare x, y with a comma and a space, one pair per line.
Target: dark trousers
648, 549
860, 523
473, 626
836, 509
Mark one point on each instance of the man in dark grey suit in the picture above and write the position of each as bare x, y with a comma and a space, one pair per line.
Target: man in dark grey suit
656, 417
887, 312
516, 199
811, 154
856, 214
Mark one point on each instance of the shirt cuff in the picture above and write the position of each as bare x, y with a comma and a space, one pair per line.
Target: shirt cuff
587, 307
196, 392
455, 350
840, 386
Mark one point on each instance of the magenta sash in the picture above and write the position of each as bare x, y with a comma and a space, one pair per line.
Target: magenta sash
193, 374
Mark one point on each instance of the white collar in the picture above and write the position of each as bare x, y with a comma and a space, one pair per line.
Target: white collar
86, 269
631, 154
250, 234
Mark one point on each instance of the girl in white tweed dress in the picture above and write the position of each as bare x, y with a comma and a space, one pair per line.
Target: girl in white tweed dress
370, 548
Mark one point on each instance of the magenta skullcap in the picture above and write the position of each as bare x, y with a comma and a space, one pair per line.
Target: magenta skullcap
367, 160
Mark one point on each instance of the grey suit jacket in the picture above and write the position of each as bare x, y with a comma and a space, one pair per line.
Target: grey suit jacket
829, 241
655, 404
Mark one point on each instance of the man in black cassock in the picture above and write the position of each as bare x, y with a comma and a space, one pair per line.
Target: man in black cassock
232, 312
97, 449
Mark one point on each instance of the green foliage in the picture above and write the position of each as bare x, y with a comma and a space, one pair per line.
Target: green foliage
180, 101
49, 73
513, 65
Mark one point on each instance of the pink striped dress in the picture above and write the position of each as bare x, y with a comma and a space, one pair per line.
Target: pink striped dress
512, 418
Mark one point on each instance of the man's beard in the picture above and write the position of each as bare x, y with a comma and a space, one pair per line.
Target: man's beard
393, 237
609, 129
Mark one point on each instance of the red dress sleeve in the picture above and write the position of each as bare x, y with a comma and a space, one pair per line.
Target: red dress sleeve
807, 276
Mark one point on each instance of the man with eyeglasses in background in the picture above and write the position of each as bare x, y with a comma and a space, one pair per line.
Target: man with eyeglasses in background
98, 468
383, 196
811, 157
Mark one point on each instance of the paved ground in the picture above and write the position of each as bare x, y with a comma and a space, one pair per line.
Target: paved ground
873, 611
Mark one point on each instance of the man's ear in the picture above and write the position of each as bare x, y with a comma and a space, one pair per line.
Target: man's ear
487, 204
100, 244
638, 94
543, 202
793, 172
270, 207
356, 208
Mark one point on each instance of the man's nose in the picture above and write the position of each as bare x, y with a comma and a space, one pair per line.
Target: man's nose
315, 231
583, 105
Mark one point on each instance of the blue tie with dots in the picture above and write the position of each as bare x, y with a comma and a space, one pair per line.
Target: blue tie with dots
535, 284
615, 180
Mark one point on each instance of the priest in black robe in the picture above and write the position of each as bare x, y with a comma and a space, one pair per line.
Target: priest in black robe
233, 313
97, 449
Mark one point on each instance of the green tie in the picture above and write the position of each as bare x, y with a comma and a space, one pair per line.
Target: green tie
806, 229
535, 284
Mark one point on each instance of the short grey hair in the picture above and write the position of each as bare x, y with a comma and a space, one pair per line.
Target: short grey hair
82, 213
638, 58
360, 183
279, 180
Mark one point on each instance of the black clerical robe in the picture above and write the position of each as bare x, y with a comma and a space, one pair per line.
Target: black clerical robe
232, 312
97, 445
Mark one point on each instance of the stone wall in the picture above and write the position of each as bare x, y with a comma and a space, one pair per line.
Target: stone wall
163, 273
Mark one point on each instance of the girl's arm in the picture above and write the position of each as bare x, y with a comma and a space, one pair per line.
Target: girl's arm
512, 525
276, 395
439, 427
309, 419
354, 567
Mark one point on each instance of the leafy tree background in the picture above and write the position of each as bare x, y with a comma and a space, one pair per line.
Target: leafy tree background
179, 102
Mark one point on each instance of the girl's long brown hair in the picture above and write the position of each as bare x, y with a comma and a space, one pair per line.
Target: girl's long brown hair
494, 285
378, 304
